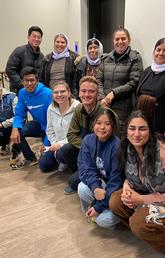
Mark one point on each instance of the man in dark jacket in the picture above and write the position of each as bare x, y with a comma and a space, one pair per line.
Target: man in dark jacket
26, 55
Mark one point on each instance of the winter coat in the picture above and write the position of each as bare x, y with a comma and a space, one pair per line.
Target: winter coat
81, 124
68, 70
153, 84
21, 57
81, 70
121, 75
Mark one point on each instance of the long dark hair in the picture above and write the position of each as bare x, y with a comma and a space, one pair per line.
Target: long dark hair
151, 144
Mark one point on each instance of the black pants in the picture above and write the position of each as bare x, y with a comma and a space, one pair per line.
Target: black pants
68, 154
5, 135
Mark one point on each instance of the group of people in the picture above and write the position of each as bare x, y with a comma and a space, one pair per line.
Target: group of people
82, 108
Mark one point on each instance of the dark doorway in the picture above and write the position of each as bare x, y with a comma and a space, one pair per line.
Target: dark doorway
104, 17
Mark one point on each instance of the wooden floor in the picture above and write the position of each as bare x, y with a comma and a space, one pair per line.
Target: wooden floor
38, 221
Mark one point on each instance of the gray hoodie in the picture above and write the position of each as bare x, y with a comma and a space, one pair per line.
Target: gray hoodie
57, 124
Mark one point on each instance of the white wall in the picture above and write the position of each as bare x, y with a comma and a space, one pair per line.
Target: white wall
145, 19
53, 16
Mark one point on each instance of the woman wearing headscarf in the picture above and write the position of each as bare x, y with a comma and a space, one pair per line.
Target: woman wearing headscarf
59, 65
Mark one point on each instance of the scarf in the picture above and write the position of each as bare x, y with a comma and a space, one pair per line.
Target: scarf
156, 68
65, 53
147, 183
97, 61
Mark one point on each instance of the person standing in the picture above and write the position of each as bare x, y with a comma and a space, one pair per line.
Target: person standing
26, 55
151, 87
121, 72
59, 65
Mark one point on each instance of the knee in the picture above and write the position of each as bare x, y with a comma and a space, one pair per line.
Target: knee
115, 201
108, 221
137, 224
43, 164
82, 190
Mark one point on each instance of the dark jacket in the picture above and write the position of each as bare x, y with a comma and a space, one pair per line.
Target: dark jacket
69, 69
81, 70
153, 84
121, 75
98, 161
81, 124
22, 56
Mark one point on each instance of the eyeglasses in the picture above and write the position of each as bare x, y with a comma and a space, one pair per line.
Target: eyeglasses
59, 92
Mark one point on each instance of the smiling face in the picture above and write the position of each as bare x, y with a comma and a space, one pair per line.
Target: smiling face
103, 128
121, 42
61, 94
138, 132
30, 82
93, 51
159, 54
88, 93
59, 44
35, 39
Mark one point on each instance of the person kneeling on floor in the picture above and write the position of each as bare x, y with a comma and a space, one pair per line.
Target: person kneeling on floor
35, 98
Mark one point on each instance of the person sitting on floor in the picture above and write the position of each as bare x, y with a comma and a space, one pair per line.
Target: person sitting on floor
99, 170
35, 98
8, 101
81, 125
59, 115
140, 204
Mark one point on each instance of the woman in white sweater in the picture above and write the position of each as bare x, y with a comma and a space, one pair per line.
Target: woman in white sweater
59, 115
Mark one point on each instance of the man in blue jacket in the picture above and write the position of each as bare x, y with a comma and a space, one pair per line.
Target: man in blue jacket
35, 98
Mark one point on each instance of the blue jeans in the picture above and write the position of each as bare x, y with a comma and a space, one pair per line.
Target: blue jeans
30, 129
47, 162
106, 219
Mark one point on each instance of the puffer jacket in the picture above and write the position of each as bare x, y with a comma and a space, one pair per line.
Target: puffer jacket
22, 56
68, 71
122, 76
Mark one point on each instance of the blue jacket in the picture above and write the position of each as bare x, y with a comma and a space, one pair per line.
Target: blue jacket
97, 161
6, 105
36, 103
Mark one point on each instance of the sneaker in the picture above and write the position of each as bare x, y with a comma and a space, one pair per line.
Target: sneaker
24, 163
5, 150
14, 155
68, 190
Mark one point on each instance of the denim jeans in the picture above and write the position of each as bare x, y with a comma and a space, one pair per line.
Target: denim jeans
30, 129
105, 219
47, 162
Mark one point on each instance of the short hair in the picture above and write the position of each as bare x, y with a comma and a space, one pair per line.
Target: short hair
159, 42
121, 28
89, 79
35, 28
28, 70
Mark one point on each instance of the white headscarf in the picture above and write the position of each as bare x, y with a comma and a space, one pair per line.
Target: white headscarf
65, 53
97, 61
157, 68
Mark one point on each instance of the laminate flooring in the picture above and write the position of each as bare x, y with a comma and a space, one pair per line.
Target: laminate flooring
38, 221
